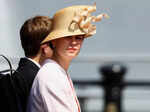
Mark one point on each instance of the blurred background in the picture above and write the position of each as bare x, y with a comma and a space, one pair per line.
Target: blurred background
123, 38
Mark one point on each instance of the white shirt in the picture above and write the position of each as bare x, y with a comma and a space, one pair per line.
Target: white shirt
52, 90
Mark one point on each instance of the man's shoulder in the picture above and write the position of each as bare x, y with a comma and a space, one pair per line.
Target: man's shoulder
26, 62
26, 70
26, 65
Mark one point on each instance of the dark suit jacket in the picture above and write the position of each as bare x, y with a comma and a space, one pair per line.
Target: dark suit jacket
23, 79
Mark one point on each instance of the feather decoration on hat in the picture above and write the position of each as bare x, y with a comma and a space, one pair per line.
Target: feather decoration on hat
83, 20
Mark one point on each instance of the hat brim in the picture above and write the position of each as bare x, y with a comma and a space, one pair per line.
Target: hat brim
62, 33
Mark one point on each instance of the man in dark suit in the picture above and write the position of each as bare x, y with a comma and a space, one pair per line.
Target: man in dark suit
32, 33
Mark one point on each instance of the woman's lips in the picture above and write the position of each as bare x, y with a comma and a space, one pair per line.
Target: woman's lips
72, 49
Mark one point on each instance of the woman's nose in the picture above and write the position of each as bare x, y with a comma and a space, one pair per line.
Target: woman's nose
74, 41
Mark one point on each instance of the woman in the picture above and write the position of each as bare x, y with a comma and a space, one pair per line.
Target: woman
52, 90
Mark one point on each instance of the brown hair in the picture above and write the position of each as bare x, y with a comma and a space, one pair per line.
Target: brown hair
33, 32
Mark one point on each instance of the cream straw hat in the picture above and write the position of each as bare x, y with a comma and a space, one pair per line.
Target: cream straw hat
74, 20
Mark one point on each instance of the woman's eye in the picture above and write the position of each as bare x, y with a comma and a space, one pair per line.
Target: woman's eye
79, 38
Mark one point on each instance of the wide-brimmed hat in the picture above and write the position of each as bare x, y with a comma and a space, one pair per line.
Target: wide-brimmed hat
73, 20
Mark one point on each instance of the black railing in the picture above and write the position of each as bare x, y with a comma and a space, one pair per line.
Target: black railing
113, 84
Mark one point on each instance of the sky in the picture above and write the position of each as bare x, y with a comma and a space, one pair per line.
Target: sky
126, 32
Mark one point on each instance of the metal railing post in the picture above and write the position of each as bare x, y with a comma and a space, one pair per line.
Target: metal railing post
112, 78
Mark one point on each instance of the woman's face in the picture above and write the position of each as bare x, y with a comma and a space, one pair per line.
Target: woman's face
68, 47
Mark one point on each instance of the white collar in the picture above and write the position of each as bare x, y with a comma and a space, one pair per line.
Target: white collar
34, 62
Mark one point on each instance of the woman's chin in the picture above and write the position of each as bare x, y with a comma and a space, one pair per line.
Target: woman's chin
72, 55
